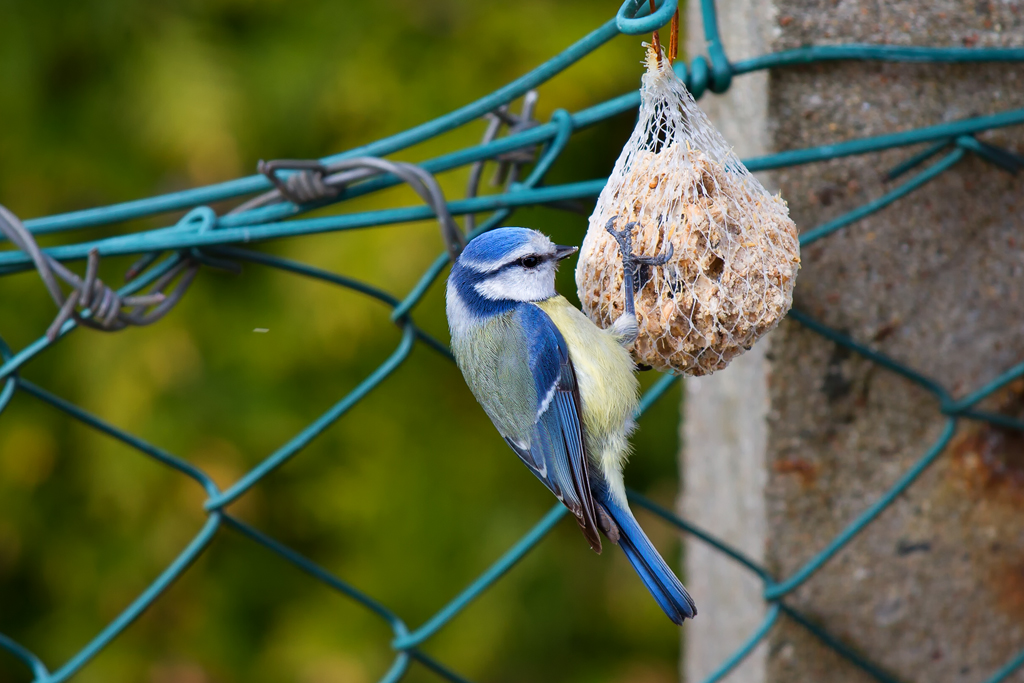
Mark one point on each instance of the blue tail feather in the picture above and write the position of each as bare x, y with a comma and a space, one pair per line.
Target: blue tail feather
663, 584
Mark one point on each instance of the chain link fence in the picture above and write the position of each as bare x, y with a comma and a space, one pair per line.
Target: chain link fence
171, 257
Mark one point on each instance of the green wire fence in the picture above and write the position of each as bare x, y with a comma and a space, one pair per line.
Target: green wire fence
173, 255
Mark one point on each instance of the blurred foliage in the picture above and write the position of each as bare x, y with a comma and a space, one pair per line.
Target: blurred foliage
409, 496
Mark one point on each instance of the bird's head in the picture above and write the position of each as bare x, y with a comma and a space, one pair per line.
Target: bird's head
507, 265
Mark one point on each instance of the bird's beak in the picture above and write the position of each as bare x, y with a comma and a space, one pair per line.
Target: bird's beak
562, 252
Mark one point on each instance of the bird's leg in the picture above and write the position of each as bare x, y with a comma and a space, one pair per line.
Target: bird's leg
625, 328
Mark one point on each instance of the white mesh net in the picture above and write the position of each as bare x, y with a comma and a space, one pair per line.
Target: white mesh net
735, 252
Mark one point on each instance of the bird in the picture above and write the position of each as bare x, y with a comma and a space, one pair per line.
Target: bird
560, 390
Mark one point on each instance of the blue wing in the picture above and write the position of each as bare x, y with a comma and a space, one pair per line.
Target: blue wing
557, 453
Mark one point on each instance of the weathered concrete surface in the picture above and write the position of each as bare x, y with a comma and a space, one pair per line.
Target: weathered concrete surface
724, 463
725, 433
934, 589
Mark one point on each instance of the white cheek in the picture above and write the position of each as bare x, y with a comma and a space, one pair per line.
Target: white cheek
518, 284
460, 318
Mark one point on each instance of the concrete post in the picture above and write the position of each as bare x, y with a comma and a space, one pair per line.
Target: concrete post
780, 456
724, 423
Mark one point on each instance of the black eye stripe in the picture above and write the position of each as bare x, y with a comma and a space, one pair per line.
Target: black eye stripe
518, 263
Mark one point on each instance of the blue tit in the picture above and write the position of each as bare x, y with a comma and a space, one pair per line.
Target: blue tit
559, 389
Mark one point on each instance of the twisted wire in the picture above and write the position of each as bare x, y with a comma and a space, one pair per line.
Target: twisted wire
285, 188
90, 302
313, 182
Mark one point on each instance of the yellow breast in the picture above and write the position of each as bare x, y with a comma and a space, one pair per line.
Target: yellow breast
608, 387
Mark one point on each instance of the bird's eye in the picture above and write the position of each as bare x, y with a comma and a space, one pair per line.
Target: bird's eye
529, 261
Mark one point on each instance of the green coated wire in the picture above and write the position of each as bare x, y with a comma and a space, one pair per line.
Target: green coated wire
303, 438
484, 581
885, 200
838, 646
15, 361
35, 664
1008, 669
877, 53
746, 648
777, 590
220, 237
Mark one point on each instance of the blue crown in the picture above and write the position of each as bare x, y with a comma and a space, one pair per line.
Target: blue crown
492, 246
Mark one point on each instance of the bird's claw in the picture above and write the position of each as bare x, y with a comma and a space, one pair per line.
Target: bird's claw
631, 261
626, 326
656, 260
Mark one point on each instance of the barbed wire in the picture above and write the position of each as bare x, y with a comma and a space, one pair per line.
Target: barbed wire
286, 188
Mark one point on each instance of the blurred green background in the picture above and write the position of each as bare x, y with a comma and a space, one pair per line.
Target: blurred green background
412, 494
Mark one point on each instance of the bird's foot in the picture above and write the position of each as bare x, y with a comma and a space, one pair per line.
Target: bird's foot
631, 262
625, 327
